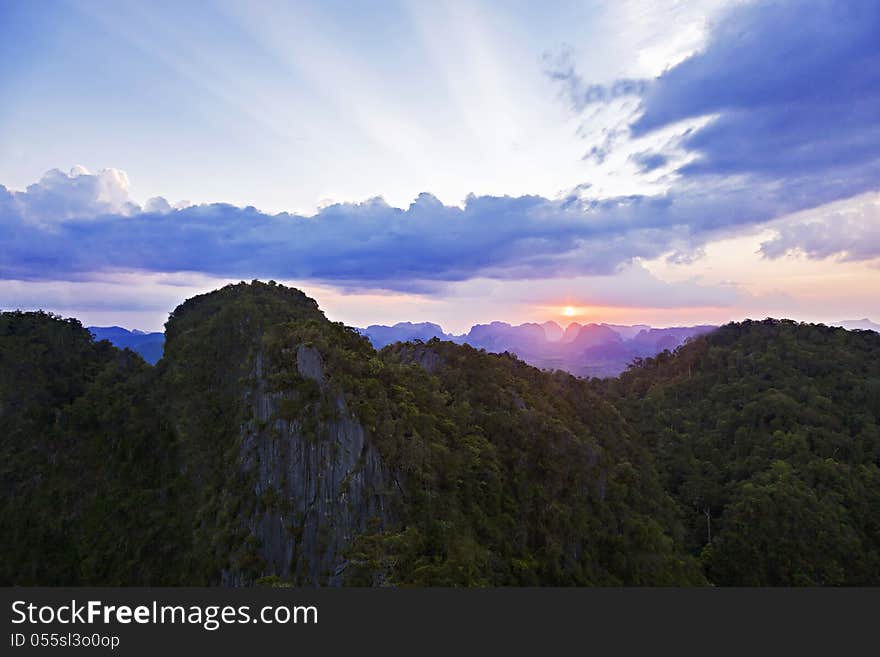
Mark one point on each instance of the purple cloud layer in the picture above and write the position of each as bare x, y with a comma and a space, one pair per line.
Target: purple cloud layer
796, 91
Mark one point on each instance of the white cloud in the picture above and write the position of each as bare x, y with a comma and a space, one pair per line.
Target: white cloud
848, 230
80, 194
158, 205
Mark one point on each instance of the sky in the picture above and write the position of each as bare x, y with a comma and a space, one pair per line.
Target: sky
655, 162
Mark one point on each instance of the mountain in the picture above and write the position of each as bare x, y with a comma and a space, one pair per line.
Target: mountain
380, 335
271, 445
584, 350
581, 349
768, 436
571, 332
652, 340
552, 331
92, 490
864, 324
591, 335
148, 345
499, 337
628, 332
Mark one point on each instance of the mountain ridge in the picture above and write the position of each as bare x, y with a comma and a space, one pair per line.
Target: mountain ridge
272, 445
149, 345
587, 356
292, 451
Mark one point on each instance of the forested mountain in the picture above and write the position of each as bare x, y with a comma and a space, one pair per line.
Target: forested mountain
768, 436
271, 445
88, 462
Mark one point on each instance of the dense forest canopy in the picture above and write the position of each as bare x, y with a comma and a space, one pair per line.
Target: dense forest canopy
767, 436
271, 445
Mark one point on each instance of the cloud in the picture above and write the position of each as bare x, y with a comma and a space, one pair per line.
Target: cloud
848, 230
367, 244
157, 205
578, 92
361, 244
647, 161
794, 87
375, 245
786, 97
794, 92
58, 196
633, 286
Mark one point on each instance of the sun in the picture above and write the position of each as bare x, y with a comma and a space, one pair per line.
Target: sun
569, 311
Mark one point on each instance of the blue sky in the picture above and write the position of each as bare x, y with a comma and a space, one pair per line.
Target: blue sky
666, 162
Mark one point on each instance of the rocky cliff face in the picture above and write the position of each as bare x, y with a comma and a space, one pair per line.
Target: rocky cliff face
284, 474
319, 483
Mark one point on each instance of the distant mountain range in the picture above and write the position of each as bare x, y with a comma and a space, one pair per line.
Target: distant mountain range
600, 350
863, 324
582, 349
148, 345
274, 446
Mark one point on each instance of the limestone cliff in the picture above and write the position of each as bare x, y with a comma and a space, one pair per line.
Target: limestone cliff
320, 486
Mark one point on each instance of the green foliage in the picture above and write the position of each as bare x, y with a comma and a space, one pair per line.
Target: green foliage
510, 476
504, 475
749, 456
212, 342
91, 491
768, 434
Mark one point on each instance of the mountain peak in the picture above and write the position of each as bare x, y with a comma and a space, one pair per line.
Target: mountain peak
571, 332
553, 331
863, 323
